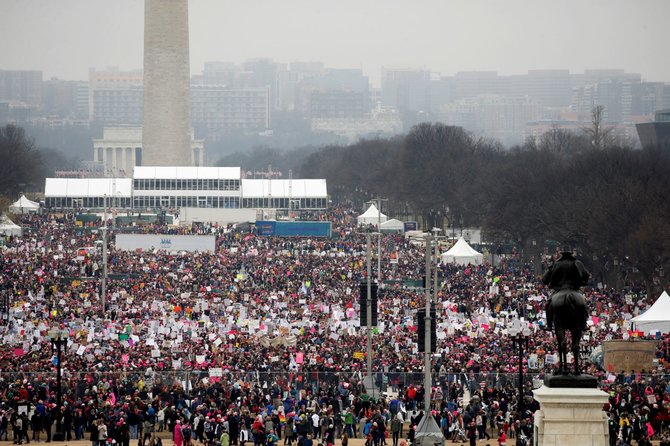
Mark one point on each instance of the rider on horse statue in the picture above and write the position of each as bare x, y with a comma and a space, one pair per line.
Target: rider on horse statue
565, 277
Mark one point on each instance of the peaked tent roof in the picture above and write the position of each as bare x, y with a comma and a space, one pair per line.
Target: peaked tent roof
371, 216
428, 433
23, 204
8, 227
393, 224
462, 253
657, 317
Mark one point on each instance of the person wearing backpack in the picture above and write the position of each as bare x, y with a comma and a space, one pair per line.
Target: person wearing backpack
271, 439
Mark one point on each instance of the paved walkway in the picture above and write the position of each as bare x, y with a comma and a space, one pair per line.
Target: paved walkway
352, 442
167, 442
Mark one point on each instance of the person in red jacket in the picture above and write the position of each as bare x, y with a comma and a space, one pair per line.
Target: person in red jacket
502, 438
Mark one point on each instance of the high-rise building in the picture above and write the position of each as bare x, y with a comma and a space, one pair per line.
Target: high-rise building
468, 84
334, 93
117, 105
219, 109
409, 92
406, 89
494, 116
289, 81
166, 137
549, 88
115, 96
21, 87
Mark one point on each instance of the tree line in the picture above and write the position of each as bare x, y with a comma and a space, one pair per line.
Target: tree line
606, 200
587, 190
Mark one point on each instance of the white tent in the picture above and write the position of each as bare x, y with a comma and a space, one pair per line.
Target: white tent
656, 318
462, 254
8, 227
371, 217
392, 225
23, 205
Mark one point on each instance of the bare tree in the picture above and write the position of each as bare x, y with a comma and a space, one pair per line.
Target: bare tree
562, 142
599, 134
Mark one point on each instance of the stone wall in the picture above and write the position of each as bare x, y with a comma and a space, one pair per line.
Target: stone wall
632, 355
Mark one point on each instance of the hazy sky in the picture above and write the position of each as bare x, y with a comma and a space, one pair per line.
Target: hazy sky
66, 37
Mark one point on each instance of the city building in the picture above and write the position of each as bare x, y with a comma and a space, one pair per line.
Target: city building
219, 109
290, 80
493, 116
380, 122
22, 87
65, 99
548, 88
118, 105
468, 84
115, 96
623, 101
656, 133
406, 90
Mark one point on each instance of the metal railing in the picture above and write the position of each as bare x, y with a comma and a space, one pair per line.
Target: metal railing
125, 382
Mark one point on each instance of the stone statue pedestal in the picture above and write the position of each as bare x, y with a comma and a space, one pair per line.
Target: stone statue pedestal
570, 416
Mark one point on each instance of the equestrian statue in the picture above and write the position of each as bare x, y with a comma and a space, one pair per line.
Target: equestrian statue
566, 308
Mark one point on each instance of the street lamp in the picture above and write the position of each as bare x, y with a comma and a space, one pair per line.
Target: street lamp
367, 285
59, 338
520, 332
5, 307
378, 202
428, 432
103, 284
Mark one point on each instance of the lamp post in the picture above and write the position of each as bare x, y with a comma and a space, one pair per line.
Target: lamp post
520, 332
428, 432
368, 308
427, 376
378, 203
5, 307
103, 285
369, 381
59, 338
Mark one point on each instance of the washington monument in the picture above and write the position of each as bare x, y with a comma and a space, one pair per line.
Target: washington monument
166, 136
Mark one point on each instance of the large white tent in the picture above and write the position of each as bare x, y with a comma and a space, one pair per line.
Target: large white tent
371, 217
23, 206
656, 318
462, 254
393, 226
8, 227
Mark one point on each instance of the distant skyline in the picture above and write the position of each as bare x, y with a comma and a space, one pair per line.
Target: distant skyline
65, 38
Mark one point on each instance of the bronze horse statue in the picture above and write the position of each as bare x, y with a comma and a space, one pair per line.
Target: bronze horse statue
566, 308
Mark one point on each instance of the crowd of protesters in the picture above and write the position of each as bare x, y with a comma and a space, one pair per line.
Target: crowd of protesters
260, 342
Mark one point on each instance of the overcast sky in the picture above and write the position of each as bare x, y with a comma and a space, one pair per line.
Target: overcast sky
66, 37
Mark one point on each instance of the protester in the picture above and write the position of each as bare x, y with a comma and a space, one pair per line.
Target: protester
267, 329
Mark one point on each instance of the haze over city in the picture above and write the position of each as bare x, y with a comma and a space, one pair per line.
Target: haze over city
335, 222
64, 39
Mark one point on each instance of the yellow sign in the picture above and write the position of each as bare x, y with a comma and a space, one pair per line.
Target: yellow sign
359, 355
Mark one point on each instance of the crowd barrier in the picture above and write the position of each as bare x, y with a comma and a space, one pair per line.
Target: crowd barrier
386, 383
